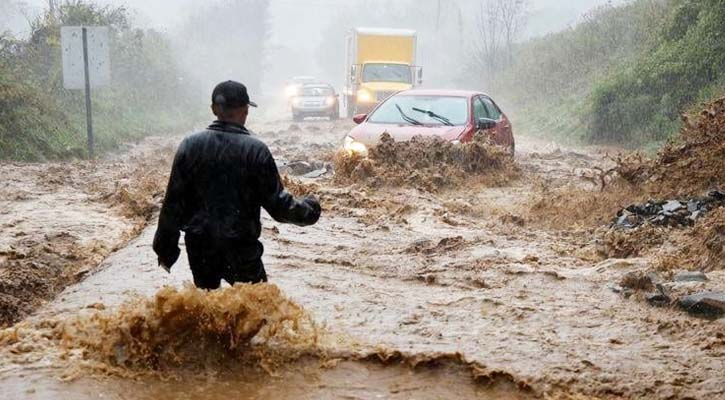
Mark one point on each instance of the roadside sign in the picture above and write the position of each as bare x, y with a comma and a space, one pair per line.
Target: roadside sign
86, 64
99, 62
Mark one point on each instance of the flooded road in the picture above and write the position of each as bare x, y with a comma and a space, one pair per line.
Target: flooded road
412, 294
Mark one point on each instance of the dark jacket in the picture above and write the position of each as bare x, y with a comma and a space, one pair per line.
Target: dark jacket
220, 179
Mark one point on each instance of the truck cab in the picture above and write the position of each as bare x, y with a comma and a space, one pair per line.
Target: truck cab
380, 63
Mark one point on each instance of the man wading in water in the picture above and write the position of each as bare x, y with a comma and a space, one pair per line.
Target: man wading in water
220, 179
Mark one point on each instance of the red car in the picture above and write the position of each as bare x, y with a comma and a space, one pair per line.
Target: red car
452, 115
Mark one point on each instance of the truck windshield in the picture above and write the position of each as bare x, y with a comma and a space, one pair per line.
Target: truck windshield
453, 109
386, 73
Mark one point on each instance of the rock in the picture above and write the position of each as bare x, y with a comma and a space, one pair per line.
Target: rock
708, 305
672, 206
693, 206
316, 173
303, 168
717, 195
628, 220
658, 299
691, 276
299, 167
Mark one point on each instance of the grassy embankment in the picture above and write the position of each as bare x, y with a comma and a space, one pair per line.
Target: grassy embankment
41, 120
624, 75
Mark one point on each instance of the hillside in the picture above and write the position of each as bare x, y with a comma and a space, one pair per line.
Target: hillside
624, 75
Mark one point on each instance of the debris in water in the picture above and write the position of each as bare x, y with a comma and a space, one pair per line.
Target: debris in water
708, 305
673, 213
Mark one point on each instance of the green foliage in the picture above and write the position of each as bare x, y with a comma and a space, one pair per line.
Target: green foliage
643, 101
624, 75
39, 119
545, 86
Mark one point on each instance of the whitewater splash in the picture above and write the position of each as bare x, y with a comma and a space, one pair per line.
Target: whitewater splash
188, 326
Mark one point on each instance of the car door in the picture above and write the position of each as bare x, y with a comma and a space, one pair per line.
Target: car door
503, 132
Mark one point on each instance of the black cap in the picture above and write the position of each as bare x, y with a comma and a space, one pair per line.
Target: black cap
231, 94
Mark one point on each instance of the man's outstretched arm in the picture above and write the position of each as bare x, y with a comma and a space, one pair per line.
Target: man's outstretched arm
166, 240
279, 203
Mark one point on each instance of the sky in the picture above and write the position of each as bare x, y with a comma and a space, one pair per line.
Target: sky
545, 15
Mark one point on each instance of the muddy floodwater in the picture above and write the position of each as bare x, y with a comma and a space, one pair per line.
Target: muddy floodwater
415, 294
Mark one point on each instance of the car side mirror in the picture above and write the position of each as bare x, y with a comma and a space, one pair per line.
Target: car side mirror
485, 124
360, 118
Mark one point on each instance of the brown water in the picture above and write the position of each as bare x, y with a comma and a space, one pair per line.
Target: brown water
403, 294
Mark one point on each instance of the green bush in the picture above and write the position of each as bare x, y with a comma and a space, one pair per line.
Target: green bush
39, 119
551, 77
624, 75
643, 102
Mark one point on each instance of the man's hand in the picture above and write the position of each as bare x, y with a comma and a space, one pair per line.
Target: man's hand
314, 205
164, 266
166, 261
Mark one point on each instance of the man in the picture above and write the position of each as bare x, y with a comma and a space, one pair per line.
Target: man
220, 179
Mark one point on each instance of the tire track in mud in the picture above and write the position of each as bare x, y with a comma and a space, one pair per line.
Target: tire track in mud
461, 281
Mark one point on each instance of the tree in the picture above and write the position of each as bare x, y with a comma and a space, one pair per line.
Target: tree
488, 41
513, 20
226, 40
498, 24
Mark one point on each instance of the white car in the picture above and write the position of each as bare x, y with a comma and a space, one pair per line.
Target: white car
293, 88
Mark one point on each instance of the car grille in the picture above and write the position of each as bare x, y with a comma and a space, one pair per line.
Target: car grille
382, 96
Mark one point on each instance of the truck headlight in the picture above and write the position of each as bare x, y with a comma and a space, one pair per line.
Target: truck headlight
364, 96
354, 147
296, 102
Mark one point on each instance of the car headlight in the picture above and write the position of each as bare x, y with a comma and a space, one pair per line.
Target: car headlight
290, 91
364, 96
296, 102
354, 147
330, 101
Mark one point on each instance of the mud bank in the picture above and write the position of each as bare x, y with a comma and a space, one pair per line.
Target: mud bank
60, 220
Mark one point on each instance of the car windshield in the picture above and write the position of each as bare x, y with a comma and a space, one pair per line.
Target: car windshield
316, 91
386, 73
423, 109
303, 79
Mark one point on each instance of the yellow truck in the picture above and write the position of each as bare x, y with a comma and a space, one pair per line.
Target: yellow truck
380, 62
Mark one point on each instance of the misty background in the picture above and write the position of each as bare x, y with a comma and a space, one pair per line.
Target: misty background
302, 34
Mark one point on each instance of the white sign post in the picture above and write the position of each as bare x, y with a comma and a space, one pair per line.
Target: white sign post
86, 64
